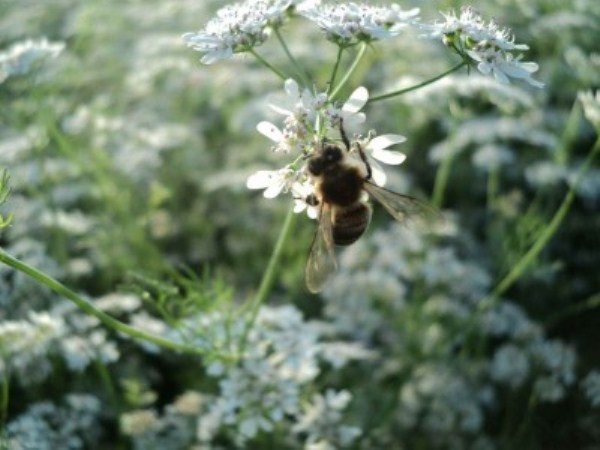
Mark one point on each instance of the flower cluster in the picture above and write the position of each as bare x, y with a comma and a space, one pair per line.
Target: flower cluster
308, 120
350, 23
20, 57
239, 28
266, 389
486, 44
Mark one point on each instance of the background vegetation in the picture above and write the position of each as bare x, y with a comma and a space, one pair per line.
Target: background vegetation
128, 162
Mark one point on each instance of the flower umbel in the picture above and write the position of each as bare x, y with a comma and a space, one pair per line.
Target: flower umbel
486, 44
350, 23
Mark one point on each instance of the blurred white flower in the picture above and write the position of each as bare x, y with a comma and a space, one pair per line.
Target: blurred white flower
591, 387
510, 366
20, 57
349, 23
236, 28
591, 107
135, 423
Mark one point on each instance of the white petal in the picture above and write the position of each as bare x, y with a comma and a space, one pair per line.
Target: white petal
274, 190
269, 130
484, 68
357, 100
291, 88
379, 176
388, 157
216, 55
500, 76
260, 179
280, 110
352, 121
312, 212
385, 141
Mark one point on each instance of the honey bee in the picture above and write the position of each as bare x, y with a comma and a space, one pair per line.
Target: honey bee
343, 185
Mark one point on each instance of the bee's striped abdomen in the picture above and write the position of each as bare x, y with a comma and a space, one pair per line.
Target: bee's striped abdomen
350, 223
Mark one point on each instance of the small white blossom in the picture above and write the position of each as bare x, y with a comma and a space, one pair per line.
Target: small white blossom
349, 23
486, 44
591, 387
20, 57
591, 107
272, 181
236, 28
376, 151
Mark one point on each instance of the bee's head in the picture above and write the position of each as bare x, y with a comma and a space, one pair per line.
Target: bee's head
328, 156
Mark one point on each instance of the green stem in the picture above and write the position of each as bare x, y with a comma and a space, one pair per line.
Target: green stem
588, 304
561, 156
5, 390
269, 275
493, 183
342, 83
301, 72
268, 65
335, 70
543, 239
90, 309
441, 181
417, 86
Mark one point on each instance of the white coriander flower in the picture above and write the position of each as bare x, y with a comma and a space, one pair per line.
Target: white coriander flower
349, 23
591, 387
237, 28
20, 57
350, 112
376, 151
591, 107
484, 43
504, 65
272, 181
302, 192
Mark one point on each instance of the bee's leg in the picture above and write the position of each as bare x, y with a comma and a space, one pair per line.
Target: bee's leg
361, 152
344, 135
310, 199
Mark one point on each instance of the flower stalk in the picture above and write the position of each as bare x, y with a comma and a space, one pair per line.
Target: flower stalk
87, 307
268, 277
350, 71
399, 92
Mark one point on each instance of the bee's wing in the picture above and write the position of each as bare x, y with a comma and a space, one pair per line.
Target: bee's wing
400, 206
321, 260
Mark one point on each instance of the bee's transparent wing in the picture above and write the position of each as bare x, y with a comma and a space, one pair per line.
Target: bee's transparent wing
321, 260
401, 206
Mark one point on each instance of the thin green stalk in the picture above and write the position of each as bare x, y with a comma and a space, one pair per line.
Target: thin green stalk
519, 269
5, 390
588, 304
90, 309
268, 65
530, 256
561, 156
493, 183
417, 86
305, 78
269, 275
338, 60
350, 71
441, 181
